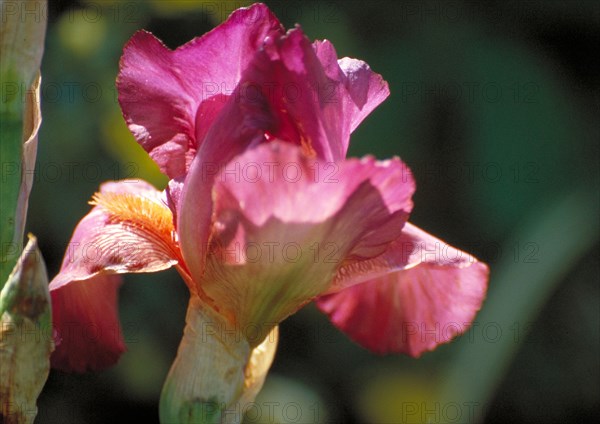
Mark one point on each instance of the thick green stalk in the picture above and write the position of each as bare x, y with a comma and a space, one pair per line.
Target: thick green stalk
216, 373
25, 310
22, 33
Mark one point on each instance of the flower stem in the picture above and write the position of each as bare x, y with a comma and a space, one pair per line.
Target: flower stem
216, 373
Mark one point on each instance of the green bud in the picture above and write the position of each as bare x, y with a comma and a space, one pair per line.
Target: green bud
216, 373
25, 337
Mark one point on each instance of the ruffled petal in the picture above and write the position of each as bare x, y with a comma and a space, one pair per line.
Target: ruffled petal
284, 223
170, 98
129, 230
360, 89
298, 92
288, 92
420, 293
305, 104
85, 319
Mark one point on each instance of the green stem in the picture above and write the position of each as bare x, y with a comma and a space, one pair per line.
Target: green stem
216, 373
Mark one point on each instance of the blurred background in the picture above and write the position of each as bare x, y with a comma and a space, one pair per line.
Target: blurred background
494, 106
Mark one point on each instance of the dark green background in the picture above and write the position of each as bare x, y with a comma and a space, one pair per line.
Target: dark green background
494, 106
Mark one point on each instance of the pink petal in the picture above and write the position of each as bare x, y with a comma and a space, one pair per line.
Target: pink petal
162, 92
304, 102
284, 223
239, 126
284, 93
363, 90
104, 243
277, 180
300, 93
172, 197
418, 294
85, 320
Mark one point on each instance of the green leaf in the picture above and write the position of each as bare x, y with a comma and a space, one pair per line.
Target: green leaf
10, 159
563, 233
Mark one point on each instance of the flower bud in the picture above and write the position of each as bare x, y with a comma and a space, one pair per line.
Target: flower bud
25, 337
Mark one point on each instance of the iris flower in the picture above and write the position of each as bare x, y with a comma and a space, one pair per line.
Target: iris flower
263, 212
